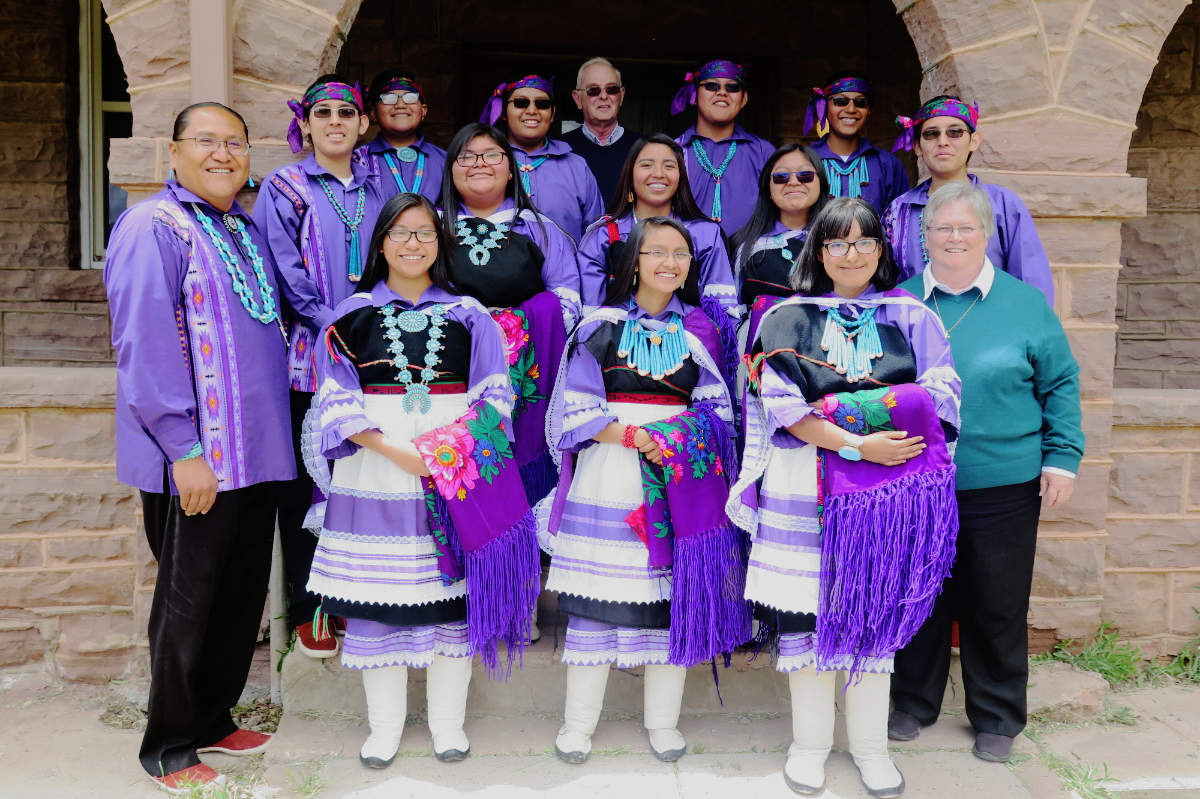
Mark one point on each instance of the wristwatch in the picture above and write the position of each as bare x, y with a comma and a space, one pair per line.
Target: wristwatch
851, 450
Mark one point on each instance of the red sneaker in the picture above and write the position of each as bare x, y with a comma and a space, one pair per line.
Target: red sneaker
186, 780
239, 742
307, 642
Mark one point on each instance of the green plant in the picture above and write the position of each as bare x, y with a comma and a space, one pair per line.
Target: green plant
1186, 665
1085, 779
1117, 661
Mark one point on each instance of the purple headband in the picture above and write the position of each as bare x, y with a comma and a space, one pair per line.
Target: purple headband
400, 85
333, 90
713, 69
815, 115
495, 103
945, 107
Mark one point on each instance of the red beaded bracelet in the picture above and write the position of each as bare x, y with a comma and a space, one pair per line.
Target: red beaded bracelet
627, 436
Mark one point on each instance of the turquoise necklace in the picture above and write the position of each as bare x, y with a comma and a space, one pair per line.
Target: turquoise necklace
656, 353
354, 264
407, 155
267, 313
784, 244
480, 250
851, 344
716, 172
413, 321
527, 169
855, 171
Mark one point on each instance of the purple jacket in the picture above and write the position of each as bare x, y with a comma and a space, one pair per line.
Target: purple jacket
428, 184
739, 182
887, 178
181, 334
561, 186
1014, 247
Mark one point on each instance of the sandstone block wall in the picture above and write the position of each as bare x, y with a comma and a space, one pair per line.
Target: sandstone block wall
49, 312
71, 552
1158, 299
1152, 570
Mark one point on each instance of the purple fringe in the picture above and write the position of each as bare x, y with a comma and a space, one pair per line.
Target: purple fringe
708, 614
885, 553
727, 328
503, 579
723, 442
538, 477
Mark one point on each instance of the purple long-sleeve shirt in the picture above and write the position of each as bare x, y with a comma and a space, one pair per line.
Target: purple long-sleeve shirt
311, 246
712, 258
739, 181
192, 365
428, 185
562, 186
1014, 247
887, 177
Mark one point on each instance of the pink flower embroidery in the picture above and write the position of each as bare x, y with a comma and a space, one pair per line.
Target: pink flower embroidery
829, 404
676, 435
676, 472
447, 452
514, 334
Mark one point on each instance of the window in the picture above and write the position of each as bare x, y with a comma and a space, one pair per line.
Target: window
104, 114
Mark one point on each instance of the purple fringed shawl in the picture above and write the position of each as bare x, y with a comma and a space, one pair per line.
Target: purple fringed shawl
684, 525
484, 529
888, 532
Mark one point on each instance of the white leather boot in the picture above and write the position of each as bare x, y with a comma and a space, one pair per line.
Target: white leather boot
663, 698
866, 727
446, 683
585, 700
387, 705
812, 729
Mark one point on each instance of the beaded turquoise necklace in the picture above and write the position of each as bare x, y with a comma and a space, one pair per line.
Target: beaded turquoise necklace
265, 314
656, 353
851, 344
413, 321
716, 172
407, 155
354, 261
479, 251
527, 170
855, 171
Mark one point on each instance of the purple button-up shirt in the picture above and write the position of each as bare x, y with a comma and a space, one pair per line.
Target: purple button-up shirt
430, 181
311, 246
192, 364
562, 186
1014, 247
886, 177
739, 181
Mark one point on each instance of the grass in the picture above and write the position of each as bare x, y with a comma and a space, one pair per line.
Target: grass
1117, 661
1085, 779
1185, 666
308, 782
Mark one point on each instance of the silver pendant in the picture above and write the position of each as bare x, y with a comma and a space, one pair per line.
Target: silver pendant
406, 154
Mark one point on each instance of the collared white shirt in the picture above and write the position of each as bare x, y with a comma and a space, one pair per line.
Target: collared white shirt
983, 281
594, 139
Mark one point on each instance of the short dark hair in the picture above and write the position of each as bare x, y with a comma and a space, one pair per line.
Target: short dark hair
766, 213
450, 197
683, 202
376, 268
620, 288
834, 222
181, 121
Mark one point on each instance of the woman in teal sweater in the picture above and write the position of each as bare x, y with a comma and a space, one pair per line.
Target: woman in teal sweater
1018, 451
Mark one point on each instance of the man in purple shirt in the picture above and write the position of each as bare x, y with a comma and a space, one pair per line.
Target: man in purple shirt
401, 159
943, 135
856, 168
600, 140
723, 160
202, 432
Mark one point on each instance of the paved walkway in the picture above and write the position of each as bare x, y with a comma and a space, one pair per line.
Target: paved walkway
1146, 741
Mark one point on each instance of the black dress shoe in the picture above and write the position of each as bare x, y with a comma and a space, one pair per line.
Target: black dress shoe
992, 747
902, 726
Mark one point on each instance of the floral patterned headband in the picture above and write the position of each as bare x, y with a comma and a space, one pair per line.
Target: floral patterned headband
333, 90
495, 103
941, 107
713, 69
815, 115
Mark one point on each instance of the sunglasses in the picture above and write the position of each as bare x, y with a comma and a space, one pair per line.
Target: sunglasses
933, 134
540, 104
612, 90
732, 87
391, 98
804, 176
343, 112
859, 102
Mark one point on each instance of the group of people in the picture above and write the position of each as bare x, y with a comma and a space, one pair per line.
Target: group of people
773, 397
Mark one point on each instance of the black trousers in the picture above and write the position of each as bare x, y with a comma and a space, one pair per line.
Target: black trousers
298, 544
988, 592
208, 601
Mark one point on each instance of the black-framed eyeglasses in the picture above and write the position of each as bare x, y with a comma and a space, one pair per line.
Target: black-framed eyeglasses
612, 90
391, 98
839, 248
402, 235
343, 112
541, 103
933, 134
841, 101
469, 159
209, 144
731, 86
803, 176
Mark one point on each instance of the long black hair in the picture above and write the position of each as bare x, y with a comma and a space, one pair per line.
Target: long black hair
451, 199
834, 222
683, 202
621, 287
766, 212
376, 269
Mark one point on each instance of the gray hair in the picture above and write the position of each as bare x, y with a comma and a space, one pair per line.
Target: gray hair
592, 62
969, 193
